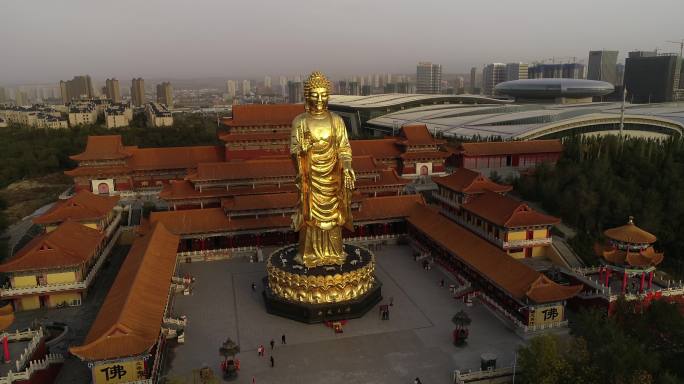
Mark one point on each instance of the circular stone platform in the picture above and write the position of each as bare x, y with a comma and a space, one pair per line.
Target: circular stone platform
323, 293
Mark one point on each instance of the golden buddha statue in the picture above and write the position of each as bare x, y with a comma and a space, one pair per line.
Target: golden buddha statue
322, 156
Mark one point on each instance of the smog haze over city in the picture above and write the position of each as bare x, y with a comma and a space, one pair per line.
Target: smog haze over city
48, 41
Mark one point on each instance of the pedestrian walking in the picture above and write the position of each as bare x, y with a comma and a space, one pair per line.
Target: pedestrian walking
253, 380
282, 339
253, 287
272, 362
441, 283
417, 381
272, 344
261, 350
391, 300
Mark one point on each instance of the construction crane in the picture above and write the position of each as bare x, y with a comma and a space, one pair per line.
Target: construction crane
681, 46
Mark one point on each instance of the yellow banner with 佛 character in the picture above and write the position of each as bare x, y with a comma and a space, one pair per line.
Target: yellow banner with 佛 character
119, 372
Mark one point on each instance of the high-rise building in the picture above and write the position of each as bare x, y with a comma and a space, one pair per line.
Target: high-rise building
112, 90
653, 79
620, 74
80, 87
246, 87
642, 54
231, 88
267, 81
20, 98
354, 88
138, 92
602, 66
295, 92
3, 95
473, 80
165, 94
572, 71
283, 85
516, 71
342, 88
492, 74
459, 85
428, 78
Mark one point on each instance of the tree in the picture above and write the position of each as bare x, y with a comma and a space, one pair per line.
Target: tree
541, 362
461, 320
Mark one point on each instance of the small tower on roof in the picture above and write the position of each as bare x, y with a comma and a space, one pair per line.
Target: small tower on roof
629, 250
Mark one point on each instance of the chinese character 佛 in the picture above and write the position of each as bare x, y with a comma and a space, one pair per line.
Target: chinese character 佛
114, 372
550, 314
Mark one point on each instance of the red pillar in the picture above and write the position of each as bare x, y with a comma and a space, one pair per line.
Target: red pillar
601, 274
650, 279
608, 271
641, 284
5, 348
624, 281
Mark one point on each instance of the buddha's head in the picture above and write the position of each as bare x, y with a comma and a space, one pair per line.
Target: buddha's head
316, 91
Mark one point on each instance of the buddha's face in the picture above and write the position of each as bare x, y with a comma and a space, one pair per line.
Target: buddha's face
317, 100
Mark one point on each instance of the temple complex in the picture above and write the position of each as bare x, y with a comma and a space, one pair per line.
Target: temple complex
129, 333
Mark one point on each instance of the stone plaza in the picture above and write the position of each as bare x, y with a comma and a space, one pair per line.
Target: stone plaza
415, 342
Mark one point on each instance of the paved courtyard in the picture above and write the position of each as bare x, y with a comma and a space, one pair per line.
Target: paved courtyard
415, 342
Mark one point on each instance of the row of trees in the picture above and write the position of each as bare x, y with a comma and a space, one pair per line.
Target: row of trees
600, 181
634, 346
27, 153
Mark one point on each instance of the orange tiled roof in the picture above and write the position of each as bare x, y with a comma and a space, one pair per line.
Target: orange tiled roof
241, 170
507, 212
260, 202
174, 157
514, 277
365, 164
418, 134
103, 148
83, 206
386, 207
630, 233
388, 177
416, 155
130, 319
183, 189
212, 220
645, 258
263, 114
465, 180
268, 136
70, 245
490, 148
97, 171
378, 148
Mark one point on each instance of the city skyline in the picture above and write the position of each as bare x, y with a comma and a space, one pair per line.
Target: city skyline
222, 43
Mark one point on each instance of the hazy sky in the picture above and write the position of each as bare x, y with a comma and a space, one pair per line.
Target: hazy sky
46, 40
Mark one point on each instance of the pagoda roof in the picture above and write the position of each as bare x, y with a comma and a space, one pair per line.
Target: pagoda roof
263, 114
417, 134
84, 205
506, 211
630, 233
174, 157
97, 171
493, 148
130, 319
643, 258
70, 244
265, 136
517, 279
378, 148
464, 180
109, 147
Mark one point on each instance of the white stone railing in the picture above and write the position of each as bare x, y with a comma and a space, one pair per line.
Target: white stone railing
527, 243
48, 288
545, 326
29, 349
474, 376
33, 366
182, 322
215, 254
586, 270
